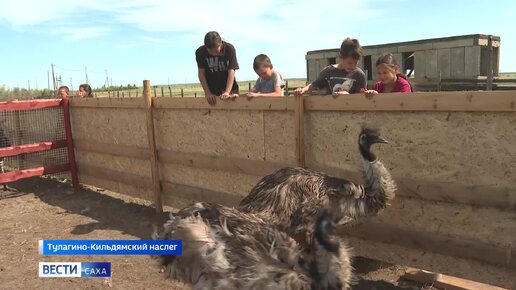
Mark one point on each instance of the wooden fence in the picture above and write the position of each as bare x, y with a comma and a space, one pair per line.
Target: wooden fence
451, 153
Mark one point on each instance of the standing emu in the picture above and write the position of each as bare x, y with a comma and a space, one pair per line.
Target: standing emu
227, 249
291, 197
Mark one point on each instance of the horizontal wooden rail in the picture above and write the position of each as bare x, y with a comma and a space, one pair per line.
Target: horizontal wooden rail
426, 241
178, 190
10, 106
462, 101
372, 231
111, 149
32, 172
31, 148
129, 103
499, 197
241, 103
446, 282
465, 101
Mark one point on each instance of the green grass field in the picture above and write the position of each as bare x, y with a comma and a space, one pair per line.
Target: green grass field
186, 90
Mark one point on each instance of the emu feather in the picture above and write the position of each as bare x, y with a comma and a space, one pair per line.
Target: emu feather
227, 249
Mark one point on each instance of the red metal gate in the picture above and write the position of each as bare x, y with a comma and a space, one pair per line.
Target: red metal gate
36, 139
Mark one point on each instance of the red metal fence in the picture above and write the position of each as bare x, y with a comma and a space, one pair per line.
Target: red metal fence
36, 139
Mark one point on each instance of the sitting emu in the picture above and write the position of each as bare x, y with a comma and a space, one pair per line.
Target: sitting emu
290, 197
226, 249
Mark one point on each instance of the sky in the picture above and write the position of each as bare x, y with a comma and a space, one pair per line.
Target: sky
156, 39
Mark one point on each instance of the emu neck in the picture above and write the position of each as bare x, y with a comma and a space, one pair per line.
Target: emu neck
366, 152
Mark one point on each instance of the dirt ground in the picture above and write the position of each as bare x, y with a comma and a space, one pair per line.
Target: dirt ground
43, 208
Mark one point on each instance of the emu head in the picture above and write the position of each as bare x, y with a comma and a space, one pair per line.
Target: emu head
366, 139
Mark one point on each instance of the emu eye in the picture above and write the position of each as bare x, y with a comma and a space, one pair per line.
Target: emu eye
363, 138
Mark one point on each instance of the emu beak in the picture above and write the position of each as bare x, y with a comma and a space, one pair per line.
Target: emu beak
381, 140
344, 221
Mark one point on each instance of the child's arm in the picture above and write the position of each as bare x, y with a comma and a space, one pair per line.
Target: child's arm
207, 93
229, 84
300, 91
276, 93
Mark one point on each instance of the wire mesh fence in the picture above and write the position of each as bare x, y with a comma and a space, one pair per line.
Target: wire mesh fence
34, 126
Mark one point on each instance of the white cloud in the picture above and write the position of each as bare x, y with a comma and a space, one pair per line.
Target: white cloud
286, 22
81, 33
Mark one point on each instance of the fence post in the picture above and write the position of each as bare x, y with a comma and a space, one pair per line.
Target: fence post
299, 127
69, 143
170, 90
489, 85
182, 93
162, 93
158, 201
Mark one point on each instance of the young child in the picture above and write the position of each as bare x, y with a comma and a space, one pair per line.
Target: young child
342, 78
390, 79
216, 63
84, 91
270, 83
63, 92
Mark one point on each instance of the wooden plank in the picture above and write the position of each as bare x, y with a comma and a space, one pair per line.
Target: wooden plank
129, 103
445, 281
31, 148
487, 196
122, 177
431, 63
499, 197
444, 62
457, 62
112, 149
241, 103
10, 106
440, 244
465, 101
153, 153
213, 162
200, 194
32, 172
472, 61
299, 127
179, 190
69, 143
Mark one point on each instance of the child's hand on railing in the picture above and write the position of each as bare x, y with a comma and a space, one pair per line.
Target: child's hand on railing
369, 94
339, 93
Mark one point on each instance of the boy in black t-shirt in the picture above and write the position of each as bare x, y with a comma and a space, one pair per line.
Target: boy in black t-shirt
217, 62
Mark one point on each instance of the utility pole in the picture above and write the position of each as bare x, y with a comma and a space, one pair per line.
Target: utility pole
106, 82
71, 84
54, 81
86, 72
490, 70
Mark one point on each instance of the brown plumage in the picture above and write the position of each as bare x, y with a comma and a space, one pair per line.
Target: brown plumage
291, 197
226, 249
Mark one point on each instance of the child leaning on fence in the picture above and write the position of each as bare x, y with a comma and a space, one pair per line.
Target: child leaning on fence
390, 80
216, 63
270, 82
342, 78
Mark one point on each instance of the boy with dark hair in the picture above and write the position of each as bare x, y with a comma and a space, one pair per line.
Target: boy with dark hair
216, 63
342, 78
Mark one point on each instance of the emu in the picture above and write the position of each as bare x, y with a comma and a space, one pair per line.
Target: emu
227, 249
292, 196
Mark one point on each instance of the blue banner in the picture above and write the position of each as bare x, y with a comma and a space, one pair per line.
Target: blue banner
75, 269
110, 247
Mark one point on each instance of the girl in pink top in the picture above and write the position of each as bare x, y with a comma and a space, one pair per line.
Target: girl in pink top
390, 79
